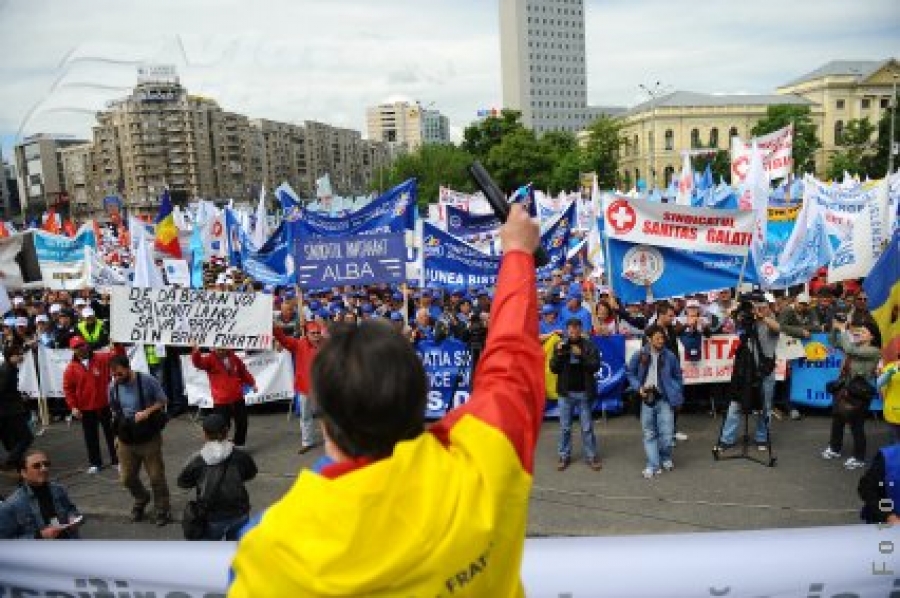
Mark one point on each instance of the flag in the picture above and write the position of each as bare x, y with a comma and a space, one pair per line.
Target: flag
4, 232
69, 228
166, 231
324, 194
289, 201
51, 222
261, 231
882, 286
755, 197
197, 253
146, 274
685, 182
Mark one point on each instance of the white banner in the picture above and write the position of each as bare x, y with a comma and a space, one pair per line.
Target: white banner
716, 362
726, 232
177, 272
273, 372
63, 260
19, 267
182, 317
51, 365
777, 148
850, 560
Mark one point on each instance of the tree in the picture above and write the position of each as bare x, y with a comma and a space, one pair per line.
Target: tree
805, 141
479, 138
601, 153
876, 164
856, 141
566, 161
719, 163
433, 165
519, 159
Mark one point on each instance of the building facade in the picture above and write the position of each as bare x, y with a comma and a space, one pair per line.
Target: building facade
543, 61
78, 176
405, 125
40, 172
685, 121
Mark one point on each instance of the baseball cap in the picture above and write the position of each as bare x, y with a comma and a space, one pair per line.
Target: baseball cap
313, 327
41, 318
20, 321
77, 341
573, 322
55, 308
396, 316
803, 298
18, 301
547, 309
87, 312
9, 322
692, 303
80, 301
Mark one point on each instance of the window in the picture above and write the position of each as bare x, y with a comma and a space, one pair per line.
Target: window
732, 132
714, 137
670, 139
695, 138
637, 144
864, 104
838, 132
840, 104
668, 173
885, 102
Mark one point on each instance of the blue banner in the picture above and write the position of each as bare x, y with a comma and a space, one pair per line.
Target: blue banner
236, 239
393, 212
808, 378
674, 272
555, 241
462, 223
448, 368
273, 263
450, 262
610, 378
61, 249
350, 260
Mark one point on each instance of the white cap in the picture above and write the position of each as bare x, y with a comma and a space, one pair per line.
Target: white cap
692, 303
87, 312
228, 280
803, 298
55, 308
18, 301
769, 297
220, 279
41, 318
20, 321
9, 322
80, 301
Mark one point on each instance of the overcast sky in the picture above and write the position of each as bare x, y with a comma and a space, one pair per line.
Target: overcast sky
326, 60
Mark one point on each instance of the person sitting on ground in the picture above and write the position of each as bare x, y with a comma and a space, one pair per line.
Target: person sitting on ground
220, 470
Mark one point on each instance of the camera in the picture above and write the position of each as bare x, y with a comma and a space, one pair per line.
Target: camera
651, 396
840, 317
745, 315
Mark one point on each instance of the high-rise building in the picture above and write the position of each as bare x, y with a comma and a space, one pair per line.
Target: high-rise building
4, 190
407, 125
40, 172
77, 168
542, 57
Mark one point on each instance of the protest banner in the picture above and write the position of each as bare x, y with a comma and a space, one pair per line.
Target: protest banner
448, 367
19, 266
350, 259
62, 259
273, 372
777, 148
51, 366
394, 211
463, 223
183, 317
609, 378
448, 261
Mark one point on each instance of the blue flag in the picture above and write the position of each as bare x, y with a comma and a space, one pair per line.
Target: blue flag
393, 212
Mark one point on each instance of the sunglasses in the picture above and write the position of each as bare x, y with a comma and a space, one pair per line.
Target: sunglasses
40, 465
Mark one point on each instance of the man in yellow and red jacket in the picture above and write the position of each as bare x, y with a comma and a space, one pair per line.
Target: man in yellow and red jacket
85, 381
228, 375
404, 511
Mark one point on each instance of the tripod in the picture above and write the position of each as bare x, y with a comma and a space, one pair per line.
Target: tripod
718, 450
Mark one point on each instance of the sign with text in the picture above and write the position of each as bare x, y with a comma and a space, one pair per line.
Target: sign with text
449, 371
708, 230
350, 260
62, 258
776, 147
273, 372
171, 316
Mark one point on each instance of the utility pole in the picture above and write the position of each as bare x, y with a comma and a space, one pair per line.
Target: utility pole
890, 167
655, 92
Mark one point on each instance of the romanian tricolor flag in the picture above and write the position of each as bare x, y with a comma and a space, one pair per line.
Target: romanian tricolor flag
166, 231
51, 222
882, 285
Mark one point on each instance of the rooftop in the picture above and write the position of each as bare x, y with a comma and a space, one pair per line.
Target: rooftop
837, 68
686, 99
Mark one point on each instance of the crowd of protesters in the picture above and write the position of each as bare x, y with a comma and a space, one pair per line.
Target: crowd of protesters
572, 306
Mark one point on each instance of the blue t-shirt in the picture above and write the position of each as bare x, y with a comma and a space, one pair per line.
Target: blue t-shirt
581, 313
545, 327
129, 398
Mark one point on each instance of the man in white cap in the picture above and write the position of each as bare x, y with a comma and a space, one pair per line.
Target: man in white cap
92, 330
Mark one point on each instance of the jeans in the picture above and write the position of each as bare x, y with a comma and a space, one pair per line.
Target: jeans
588, 440
658, 425
16, 436
303, 406
238, 411
225, 529
131, 457
857, 428
91, 422
733, 419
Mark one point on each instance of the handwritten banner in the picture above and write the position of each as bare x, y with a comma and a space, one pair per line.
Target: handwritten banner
171, 316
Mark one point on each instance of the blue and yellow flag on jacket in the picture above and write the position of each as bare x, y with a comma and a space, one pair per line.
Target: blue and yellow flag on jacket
883, 288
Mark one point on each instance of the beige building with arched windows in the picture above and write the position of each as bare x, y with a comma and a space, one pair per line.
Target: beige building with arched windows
683, 120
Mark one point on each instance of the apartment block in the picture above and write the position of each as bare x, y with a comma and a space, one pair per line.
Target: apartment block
40, 172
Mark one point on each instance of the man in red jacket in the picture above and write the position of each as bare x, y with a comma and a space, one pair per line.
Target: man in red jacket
85, 381
227, 377
304, 349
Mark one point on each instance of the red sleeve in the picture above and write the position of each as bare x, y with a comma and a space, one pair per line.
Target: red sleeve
509, 388
197, 360
246, 376
70, 386
284, 340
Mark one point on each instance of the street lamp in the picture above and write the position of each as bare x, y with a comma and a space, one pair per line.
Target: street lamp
655, 92
890, 168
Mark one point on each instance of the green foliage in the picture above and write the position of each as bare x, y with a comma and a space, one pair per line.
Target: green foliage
601, 153
432, 166
857, 145
719, 163
479, 138
519, 159
805, 140
876, 164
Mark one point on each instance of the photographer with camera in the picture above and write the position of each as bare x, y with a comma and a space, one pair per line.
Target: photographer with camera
654, 375
853, 390
575, 361
753, 379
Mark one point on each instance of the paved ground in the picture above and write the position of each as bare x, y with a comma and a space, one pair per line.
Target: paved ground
700, 495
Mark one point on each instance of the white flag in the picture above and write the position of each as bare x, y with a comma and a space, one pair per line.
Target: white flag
685, 182
261, 231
